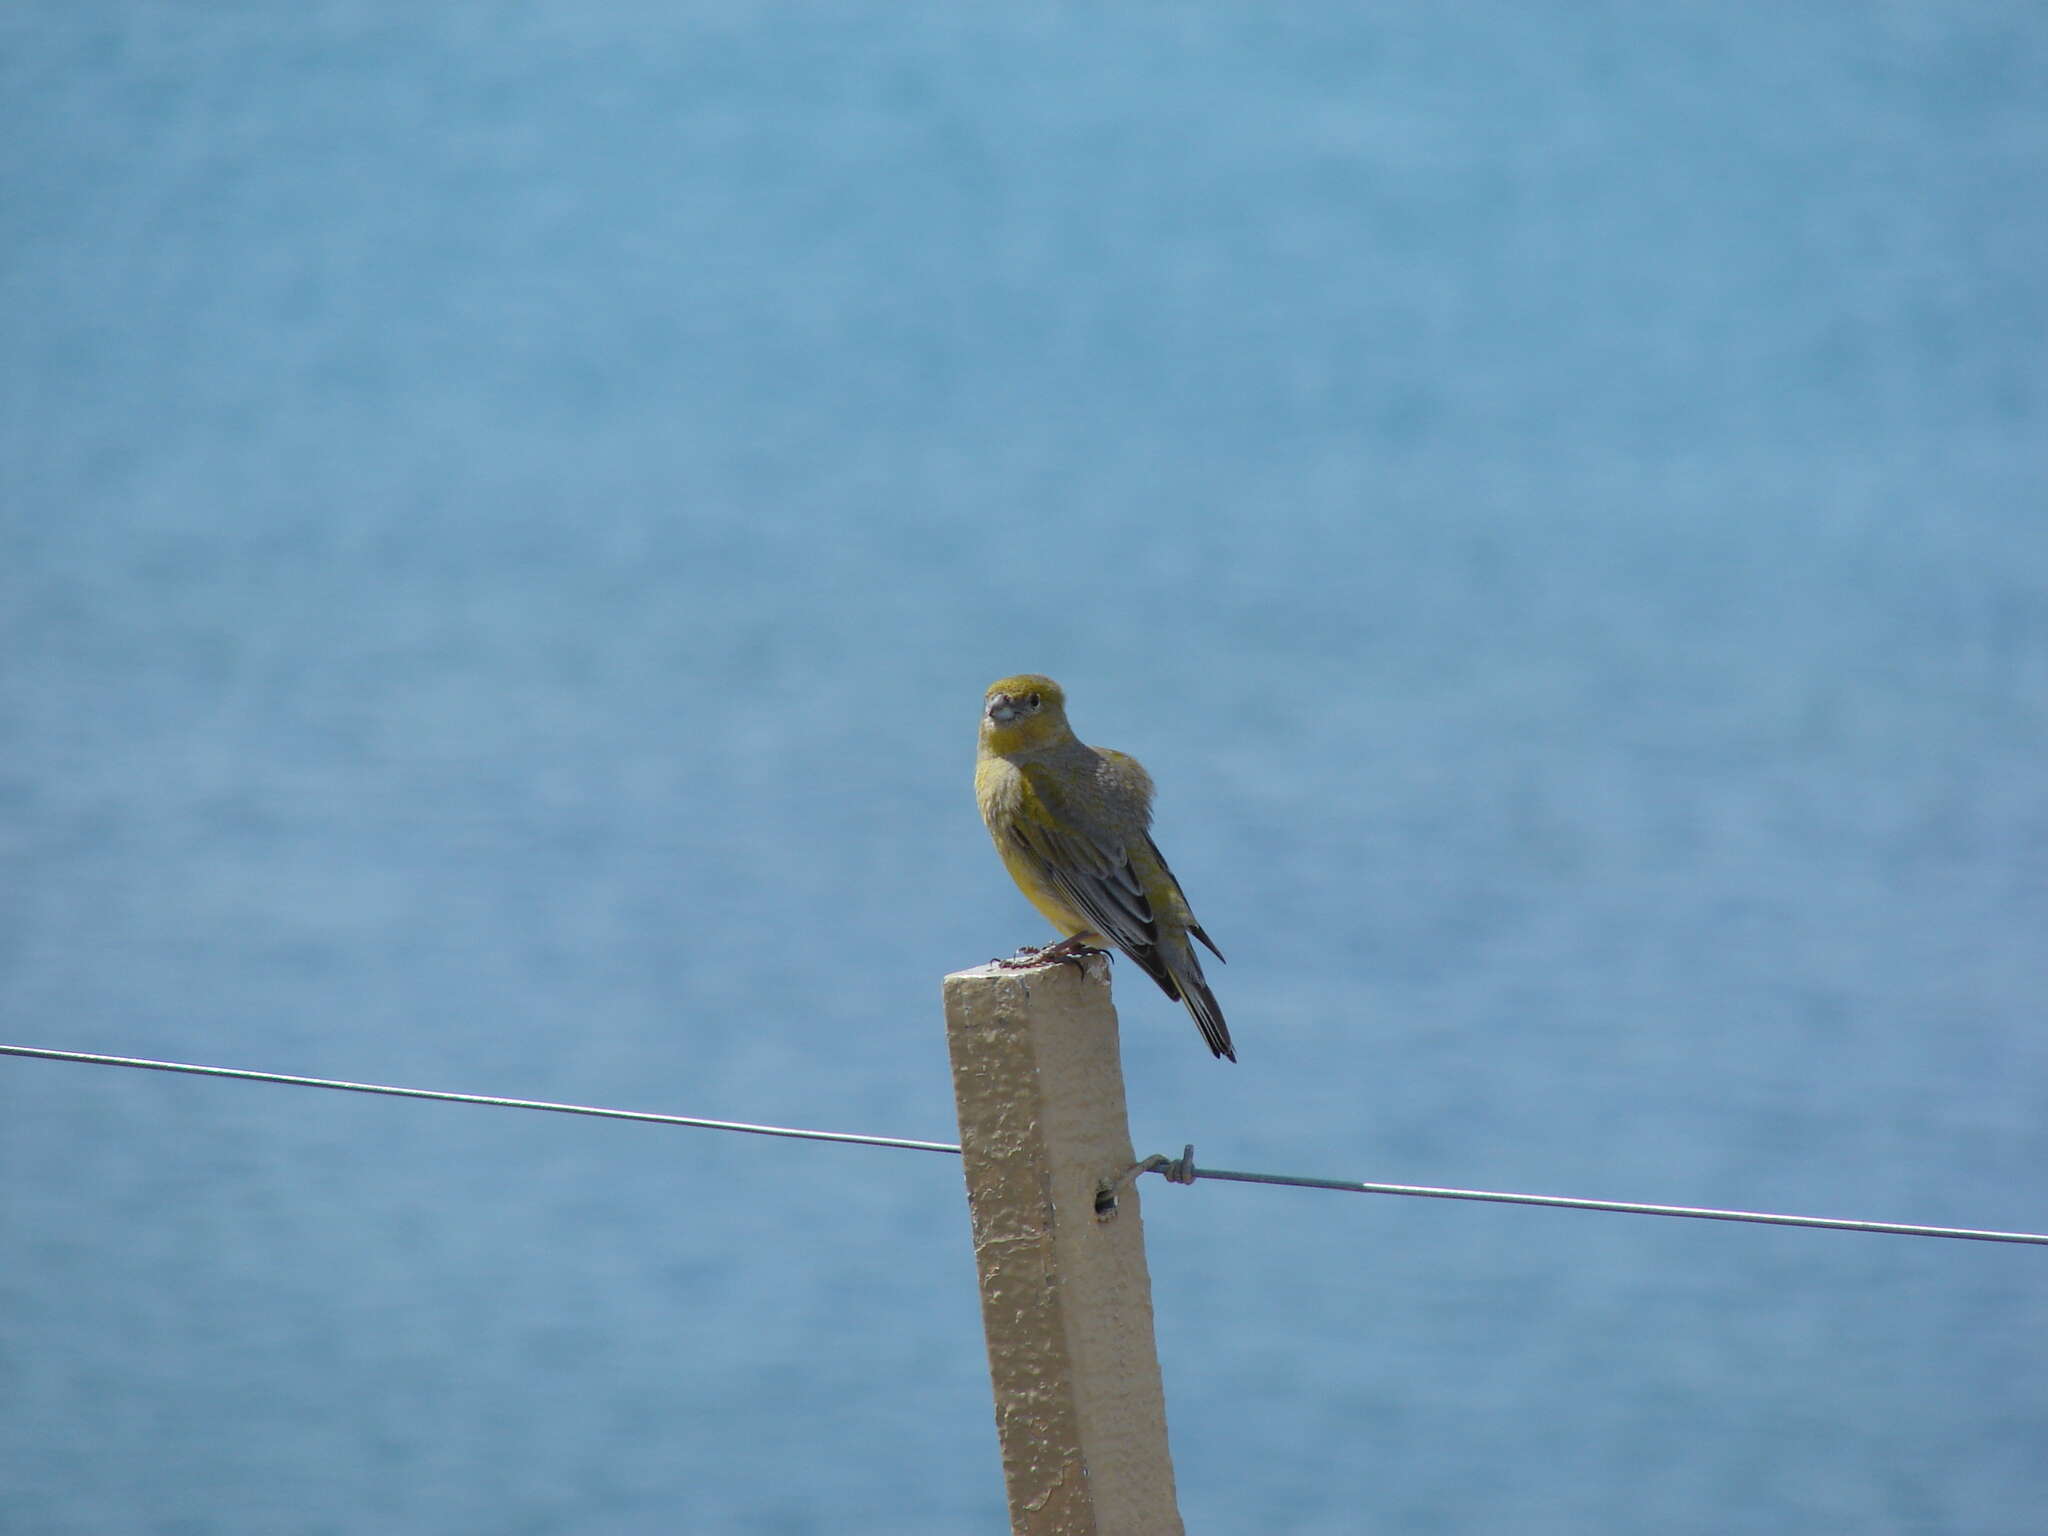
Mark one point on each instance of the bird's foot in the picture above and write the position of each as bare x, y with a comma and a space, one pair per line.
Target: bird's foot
1075, 949
1067, 951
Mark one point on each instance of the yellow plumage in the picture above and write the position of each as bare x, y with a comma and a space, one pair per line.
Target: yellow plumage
1073, 826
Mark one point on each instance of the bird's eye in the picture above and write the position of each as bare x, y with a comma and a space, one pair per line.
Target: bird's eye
1032, 701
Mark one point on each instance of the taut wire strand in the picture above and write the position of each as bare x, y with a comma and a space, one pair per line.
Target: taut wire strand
240, 1074
1180, 1170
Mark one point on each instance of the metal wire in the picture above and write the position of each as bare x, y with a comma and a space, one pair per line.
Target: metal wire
1627, 1207
240, 1074
1181, 1170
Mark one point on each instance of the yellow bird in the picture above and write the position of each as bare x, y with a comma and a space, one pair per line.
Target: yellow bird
1073, 824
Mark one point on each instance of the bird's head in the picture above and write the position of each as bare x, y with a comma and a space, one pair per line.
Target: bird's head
1022, 713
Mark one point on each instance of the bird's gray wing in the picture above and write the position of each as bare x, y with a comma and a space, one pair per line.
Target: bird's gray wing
1194, 927
1091, 871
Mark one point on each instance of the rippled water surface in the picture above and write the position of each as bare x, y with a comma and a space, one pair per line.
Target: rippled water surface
508, 514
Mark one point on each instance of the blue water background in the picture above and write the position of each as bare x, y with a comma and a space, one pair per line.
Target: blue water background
508, 515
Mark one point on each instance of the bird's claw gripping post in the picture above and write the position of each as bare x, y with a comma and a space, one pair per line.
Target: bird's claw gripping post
1064, 952
1071, 952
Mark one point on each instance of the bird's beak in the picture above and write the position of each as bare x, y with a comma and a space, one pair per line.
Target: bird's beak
1003, 709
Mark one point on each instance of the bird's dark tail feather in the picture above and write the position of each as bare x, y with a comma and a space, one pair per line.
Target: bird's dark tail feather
1186, 984
1208, 1016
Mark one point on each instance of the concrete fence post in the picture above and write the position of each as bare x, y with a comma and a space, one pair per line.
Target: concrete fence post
1066, 1300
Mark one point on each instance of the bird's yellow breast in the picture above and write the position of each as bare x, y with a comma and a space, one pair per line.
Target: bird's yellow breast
1003, 795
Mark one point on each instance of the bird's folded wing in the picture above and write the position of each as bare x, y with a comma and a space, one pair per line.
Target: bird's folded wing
1094, 876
